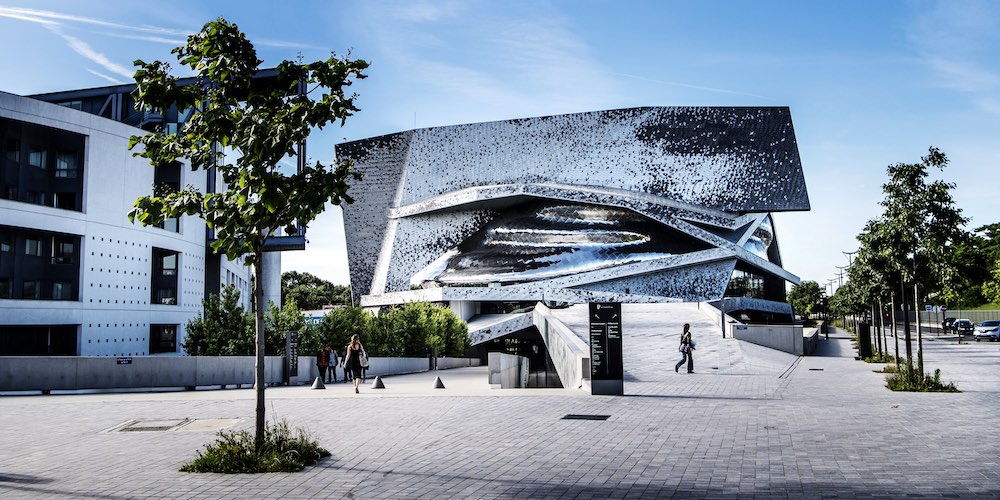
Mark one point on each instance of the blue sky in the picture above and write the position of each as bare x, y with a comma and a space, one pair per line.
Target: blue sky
868, 83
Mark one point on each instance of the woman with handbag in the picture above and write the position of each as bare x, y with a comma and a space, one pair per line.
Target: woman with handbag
687, 350
355, 359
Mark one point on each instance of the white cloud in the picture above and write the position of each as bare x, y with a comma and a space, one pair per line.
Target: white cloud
16, 14
958, 42
424, 11
104, 76
695, 87
49, 17
85, 50
502, 60
146, 38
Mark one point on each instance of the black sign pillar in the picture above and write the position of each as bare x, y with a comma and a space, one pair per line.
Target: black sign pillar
291, 356
606, 367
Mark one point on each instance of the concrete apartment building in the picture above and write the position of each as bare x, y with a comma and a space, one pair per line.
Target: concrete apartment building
76, 277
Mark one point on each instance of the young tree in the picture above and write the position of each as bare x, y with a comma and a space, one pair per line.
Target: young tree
805, 298
221, 328
263, 121
913, 237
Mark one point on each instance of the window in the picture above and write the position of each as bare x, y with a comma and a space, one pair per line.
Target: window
13, 150
166, 296
63, 249
4, 288
31, 289
162, 338
62, 291
166, 180
163, 285
66, 165
10, 193
170, 225
745, 284
33, 246
72, 104
169, 265
35, 197
6, 242
65, 201
37, 157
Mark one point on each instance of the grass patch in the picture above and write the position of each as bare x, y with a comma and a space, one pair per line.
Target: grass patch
881, 358
906, 378
889, 368
283, 451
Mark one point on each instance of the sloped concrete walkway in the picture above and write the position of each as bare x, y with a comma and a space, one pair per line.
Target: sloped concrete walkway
650, 337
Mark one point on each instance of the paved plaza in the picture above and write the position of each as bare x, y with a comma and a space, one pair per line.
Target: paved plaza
779, 426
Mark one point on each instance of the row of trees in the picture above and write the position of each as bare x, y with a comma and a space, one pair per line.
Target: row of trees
916, 252
226, 329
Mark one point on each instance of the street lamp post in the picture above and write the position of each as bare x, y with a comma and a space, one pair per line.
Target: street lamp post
840, 284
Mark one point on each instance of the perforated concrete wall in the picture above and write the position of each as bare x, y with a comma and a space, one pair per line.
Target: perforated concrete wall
114, 311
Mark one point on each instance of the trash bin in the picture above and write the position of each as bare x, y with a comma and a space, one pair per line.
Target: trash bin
864, 340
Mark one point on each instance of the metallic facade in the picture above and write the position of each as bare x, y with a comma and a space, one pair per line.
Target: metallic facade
631, 205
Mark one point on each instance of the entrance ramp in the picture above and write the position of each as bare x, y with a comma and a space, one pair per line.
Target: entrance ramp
651, 334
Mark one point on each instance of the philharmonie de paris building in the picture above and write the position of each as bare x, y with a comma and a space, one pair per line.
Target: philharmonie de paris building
517, 225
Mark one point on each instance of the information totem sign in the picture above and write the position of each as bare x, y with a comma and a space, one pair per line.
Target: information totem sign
291, 356
607, 373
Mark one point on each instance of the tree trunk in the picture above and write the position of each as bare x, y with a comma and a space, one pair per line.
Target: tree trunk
881, 322
259, 380
876, 330
920, 338
906, 325
895, 333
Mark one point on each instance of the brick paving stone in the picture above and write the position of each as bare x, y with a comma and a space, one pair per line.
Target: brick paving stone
815, 427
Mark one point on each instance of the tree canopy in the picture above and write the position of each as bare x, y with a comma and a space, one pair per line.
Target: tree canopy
308, 292
805, 298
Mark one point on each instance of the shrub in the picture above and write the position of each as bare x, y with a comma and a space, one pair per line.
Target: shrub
906, 378
889, 368
881, 358
282, 451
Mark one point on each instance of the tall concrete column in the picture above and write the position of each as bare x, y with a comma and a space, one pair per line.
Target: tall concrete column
271, 281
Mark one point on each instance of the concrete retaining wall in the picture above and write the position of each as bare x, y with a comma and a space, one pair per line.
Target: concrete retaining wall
508, 371
787, 338
570, 355
47, 373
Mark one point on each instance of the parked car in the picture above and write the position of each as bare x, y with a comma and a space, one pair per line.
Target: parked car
947, 325
964, 326
989, 330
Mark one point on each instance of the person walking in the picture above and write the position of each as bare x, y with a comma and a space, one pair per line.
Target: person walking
352, 360
332, 361
322, 362
687, 350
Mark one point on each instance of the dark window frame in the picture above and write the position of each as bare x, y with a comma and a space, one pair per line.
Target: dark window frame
163, 338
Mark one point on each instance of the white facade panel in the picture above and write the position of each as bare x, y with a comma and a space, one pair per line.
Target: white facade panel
114, 311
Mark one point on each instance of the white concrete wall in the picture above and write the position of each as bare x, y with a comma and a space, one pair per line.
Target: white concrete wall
570, 355
464, 309
37, 373
33, 373
787, 338
378, 366
114, 310
508, 371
